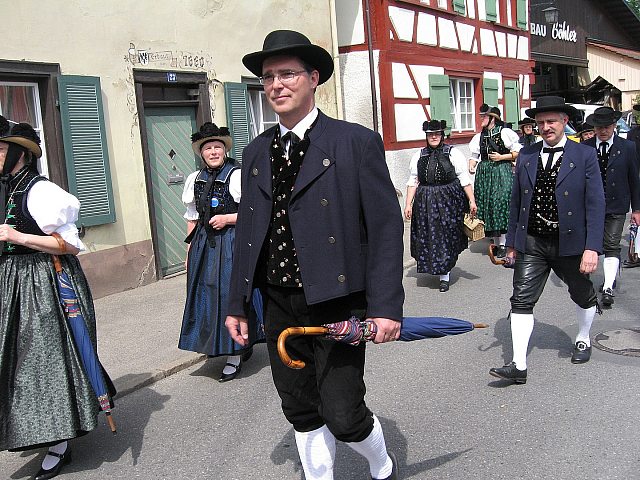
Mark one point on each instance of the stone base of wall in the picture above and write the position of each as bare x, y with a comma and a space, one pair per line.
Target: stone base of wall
121, 268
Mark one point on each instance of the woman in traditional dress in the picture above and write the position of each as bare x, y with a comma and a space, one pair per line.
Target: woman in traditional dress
211, 196
494, 151
436, 203
46, 397
527, 134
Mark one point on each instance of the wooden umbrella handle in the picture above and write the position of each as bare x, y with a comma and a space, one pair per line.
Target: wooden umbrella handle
492, 256
294, 332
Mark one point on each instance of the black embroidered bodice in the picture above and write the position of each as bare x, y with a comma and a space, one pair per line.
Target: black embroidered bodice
490, 142
17, 213
435, 167
526, 140
543, 213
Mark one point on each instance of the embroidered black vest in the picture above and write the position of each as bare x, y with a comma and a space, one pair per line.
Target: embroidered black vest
490, 142
527, 140
543, 213
435, 167
18, 215
218, 200
279, 249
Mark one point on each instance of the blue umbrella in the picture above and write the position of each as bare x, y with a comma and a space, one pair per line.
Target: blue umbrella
354, 331
88, 355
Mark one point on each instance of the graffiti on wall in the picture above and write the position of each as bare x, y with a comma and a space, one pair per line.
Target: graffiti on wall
169, 58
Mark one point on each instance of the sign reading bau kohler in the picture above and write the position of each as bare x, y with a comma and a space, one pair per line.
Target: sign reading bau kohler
559, 31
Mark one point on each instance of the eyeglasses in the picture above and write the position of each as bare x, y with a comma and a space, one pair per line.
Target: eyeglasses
286, 78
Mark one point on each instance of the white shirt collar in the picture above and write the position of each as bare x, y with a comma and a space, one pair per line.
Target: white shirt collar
608, 142
560, 144
303, 125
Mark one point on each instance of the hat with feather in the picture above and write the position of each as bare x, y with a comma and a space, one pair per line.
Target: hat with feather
210, 132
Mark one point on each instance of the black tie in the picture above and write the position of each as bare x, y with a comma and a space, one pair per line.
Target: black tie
293, 140
603, 150
551, 151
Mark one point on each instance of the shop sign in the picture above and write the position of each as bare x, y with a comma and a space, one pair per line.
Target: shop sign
559, 31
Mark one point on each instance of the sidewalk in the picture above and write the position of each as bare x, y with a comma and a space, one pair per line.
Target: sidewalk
138, 331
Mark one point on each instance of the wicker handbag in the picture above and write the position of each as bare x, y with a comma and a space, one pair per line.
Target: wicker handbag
473, 228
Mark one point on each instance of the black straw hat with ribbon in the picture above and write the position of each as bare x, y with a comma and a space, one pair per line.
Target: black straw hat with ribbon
491, 111
527, 121
24, 135
433, 126
288, 42
209, 132
585, 127
603, 117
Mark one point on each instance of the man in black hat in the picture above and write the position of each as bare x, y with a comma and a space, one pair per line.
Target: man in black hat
319, 230
556, 223
618, 160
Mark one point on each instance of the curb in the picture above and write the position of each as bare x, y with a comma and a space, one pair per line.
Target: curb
125, 385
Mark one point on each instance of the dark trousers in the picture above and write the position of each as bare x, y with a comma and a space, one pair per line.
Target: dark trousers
532, 270
613, 226
330, 389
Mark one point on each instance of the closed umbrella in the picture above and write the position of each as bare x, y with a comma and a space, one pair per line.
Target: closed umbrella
354, 331
88, 355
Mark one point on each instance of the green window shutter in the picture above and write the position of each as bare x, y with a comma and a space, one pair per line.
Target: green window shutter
492, 12
459, 6
490, 91
440, 100
522, 14
237, 104
85, 148
511, 102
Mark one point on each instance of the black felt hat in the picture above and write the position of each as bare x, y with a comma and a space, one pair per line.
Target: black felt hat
637, 107
527, 121
491, 111
288, 42
551, 103
209, 132
21, 134
433, 126
585, 127
603, 117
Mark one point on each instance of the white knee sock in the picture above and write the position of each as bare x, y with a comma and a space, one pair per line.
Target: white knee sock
521, 328
50, 461
374, 449
233, 360
610, 265
445, 277
317, 450
503, 239
585, 319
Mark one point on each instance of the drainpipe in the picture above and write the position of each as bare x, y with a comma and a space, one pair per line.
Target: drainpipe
336, 60
372, 74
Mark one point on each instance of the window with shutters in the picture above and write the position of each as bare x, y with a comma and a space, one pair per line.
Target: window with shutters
490, 91
522, 14
85, 146
20, 102
439, 99
459, 6
511, 102
462, 104
492, 10
261, 115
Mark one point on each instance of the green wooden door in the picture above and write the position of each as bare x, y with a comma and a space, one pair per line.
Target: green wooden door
171, 161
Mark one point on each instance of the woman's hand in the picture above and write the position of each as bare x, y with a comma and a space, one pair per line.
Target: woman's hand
218, 222
10, 234
473, 209
496, 157
472, 166
407, 212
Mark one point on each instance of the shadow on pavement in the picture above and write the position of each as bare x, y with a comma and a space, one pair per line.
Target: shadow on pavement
212, 367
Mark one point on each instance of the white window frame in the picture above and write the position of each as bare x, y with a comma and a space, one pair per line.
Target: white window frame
38, 127
257, 121
456, 113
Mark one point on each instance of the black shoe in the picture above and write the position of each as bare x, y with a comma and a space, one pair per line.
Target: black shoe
500, 251
225, 377
247, 354
444, 285
612, 288
630, 264
55, 471
510, 372
581, 353
395, 475
607, 297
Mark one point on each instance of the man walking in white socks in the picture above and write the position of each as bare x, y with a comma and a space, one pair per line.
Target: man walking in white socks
618, 161
556, 223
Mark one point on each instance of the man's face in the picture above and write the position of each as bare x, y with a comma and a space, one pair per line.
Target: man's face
551, 126
213, 153
605, 133
295, 99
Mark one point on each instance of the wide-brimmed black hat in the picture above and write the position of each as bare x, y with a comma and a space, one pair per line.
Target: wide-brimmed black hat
288, 42
21, 134
527, 121
603, 117
637, 107
209, 132
433, 126
491, 111
585, 127
551, 103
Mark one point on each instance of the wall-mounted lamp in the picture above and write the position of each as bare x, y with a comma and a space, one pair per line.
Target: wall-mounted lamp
551, 14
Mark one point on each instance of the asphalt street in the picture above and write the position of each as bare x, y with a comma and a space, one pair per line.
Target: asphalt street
442, 413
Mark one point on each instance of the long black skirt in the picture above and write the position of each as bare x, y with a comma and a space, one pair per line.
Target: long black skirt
437, 237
